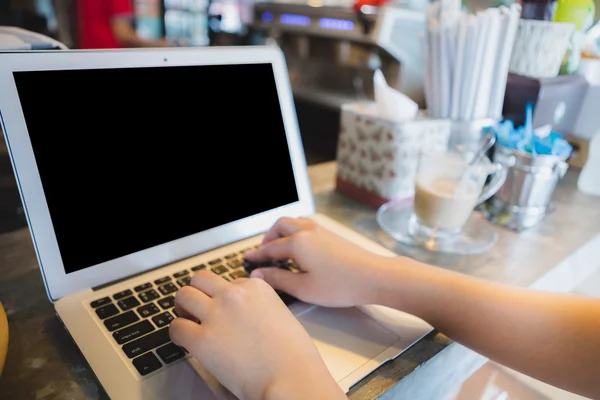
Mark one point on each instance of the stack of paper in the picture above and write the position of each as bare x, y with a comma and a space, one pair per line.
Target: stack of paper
467, 60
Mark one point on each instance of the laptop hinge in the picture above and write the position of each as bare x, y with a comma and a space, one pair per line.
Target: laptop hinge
116, 281
111, 283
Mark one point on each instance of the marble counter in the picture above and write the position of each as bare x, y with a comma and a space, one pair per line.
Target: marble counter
43, 363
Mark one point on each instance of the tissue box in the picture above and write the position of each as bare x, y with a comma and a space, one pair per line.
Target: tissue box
377, 159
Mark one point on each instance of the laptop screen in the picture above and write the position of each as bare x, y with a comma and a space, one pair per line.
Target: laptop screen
136, 157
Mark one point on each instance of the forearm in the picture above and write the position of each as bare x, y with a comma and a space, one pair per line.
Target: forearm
552, 337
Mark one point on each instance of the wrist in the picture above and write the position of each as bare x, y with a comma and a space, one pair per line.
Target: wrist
407, 285
374, 280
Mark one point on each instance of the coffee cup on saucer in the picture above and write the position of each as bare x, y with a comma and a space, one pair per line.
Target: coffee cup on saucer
448, 187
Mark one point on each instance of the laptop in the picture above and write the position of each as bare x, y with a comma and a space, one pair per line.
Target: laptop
138, 168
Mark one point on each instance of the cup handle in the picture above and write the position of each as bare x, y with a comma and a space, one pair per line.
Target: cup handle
496, 183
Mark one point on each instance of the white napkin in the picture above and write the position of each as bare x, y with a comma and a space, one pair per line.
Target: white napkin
392, 105
589, 178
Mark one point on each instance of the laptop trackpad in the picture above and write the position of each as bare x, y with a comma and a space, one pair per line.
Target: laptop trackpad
347, 338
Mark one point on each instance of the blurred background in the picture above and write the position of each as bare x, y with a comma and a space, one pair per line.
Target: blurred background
192, 22
332, 46
332, 49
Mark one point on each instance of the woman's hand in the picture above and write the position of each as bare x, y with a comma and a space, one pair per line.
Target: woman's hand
249, 340
335, 272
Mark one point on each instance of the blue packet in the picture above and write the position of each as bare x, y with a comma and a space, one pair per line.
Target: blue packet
523, 138
561, 148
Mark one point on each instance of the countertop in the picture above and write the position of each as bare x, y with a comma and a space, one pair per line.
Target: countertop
558, 254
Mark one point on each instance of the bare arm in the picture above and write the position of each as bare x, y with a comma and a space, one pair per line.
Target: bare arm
127, 36
551, 337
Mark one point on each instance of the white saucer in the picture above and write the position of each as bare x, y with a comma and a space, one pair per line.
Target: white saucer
396, 218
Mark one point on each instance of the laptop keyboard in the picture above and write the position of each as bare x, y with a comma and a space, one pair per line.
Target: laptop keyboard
139, 318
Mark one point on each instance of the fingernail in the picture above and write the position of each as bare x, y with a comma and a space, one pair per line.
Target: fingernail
257, 274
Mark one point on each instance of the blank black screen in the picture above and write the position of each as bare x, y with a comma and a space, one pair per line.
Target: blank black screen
136, 157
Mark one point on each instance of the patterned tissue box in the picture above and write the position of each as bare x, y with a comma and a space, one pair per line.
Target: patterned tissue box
377, 159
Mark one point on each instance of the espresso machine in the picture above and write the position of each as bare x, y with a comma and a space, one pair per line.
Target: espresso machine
332, 49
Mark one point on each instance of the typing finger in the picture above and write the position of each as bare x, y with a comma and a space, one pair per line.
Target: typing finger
277, 249
283, 227
208, 282
191, 302
186, 334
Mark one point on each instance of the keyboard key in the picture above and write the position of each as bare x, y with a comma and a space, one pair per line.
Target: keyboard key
250, 266
230, 256
174, 311
198, 267
146, 364
184, 281
145, 286
219, 269
215, 261
170, 352
168, 288
133, 332
107, 311
226, 278
162, 319
162, 280
148, 296
100, 302
148, 310
290, 265
180, 273
235, 263
120, 295
121, 321
240, 273
128, 303
247, 249
146, 343
167, 302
